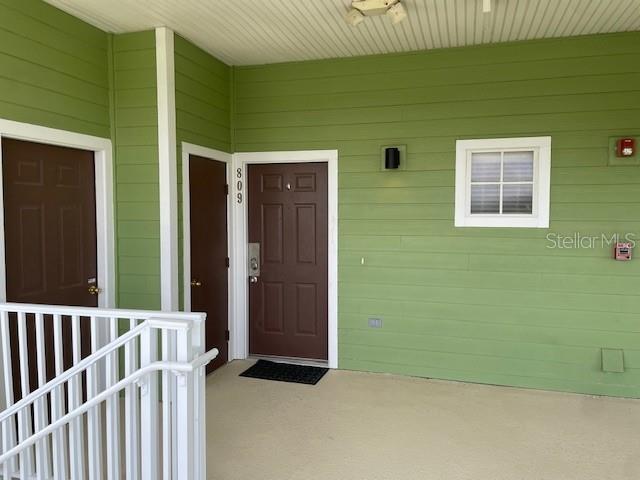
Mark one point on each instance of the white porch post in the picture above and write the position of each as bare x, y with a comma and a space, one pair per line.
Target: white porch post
167, 158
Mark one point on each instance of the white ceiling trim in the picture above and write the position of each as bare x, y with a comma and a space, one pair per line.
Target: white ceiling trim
250, 32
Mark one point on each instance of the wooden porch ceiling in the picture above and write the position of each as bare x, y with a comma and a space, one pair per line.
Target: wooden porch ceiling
246, 32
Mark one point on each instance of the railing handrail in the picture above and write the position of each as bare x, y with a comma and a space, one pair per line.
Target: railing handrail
71, 372
98, 312
176, 367
149, 362
88, 361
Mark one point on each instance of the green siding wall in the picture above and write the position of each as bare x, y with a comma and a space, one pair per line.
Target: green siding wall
481, 305
202, 97
60, 72
53, 69
484, 305
136, 158
203, 104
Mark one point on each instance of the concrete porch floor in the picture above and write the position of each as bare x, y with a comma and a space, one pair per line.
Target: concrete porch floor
364, 426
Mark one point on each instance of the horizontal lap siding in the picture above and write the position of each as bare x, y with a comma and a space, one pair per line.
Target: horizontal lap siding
483, 305
137, 195
53, 69
202, 97
203, 104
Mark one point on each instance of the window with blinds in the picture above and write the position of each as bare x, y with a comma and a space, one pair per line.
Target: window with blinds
503, 182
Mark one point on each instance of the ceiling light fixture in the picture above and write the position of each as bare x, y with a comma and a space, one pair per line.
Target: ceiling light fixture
370, 8
397, 13
354, 17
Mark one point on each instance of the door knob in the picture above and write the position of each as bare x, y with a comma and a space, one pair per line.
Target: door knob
93, 290
196, 283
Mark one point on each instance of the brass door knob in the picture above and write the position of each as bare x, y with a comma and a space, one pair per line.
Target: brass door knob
196, 283
93, 290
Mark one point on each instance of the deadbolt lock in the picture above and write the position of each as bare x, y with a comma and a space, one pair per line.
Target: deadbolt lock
254, 261
93, 290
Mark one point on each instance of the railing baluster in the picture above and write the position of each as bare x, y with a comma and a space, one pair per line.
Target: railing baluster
43, 452
24, 415
113, 408
149, 405
131, 411
167, 392
185, 408
7, 468
76, 428
174, 405
59, 442
93, 416
8, 427
200, 464
60, 446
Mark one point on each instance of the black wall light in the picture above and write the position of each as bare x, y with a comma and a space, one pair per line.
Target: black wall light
391, 158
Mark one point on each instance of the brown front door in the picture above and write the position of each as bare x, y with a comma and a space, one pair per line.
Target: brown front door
288, 301
50, 235
209, 285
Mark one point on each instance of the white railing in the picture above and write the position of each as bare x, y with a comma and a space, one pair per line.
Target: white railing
132, 408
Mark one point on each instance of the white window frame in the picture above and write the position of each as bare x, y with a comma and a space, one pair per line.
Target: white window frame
539, 218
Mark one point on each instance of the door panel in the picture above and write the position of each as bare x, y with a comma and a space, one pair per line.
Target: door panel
30, 258
287, 208
305, 230
273, 305
306, 309
273, 238
209, 291
50, 238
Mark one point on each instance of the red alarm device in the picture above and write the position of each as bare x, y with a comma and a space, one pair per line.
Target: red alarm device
623, 251
626, 147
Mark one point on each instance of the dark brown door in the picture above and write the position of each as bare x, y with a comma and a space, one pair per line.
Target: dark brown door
50, 235
209, 267
288, 218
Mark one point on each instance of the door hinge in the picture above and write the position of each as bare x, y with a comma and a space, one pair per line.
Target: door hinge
226, 335
226, 189
227, 262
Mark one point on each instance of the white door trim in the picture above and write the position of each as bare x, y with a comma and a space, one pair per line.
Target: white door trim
167, 169
187, 150
104, 198
239, 331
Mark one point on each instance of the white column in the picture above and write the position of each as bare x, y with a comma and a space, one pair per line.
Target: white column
167, 168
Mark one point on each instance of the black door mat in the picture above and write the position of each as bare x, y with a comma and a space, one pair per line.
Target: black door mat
285, 372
